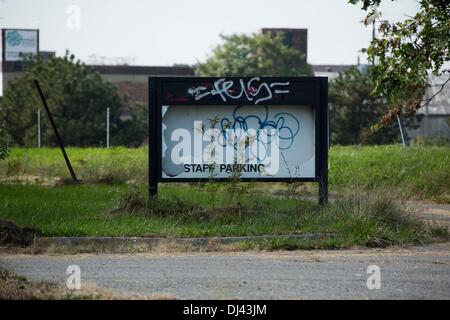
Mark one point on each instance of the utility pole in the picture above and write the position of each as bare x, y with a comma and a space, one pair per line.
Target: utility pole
39, 127
107, 128
373, 19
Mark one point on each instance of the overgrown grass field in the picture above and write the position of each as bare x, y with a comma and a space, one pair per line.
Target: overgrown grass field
421, 172
113, 201
103, 210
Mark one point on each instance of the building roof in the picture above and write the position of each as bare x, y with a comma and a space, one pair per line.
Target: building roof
145, 70
176, 70
17, 66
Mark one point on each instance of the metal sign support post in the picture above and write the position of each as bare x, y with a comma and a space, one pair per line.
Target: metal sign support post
153, 138
324, 144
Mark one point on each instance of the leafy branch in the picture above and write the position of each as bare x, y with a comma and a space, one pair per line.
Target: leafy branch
406, 52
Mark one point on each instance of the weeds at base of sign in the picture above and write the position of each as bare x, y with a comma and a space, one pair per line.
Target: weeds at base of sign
360, 219
135, 201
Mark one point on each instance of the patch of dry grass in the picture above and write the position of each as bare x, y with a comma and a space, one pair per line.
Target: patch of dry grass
16, 287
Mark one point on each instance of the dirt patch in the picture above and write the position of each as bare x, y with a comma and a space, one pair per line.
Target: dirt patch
431, 212
13, 235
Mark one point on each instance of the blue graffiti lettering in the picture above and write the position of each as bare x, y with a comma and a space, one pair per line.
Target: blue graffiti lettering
286, 126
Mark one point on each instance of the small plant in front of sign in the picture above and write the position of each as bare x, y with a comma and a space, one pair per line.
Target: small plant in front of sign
234, 188
211, 186
294, 188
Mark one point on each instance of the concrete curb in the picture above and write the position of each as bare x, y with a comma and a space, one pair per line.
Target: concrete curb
145, 244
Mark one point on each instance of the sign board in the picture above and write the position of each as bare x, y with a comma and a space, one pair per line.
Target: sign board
254, 129
19, 41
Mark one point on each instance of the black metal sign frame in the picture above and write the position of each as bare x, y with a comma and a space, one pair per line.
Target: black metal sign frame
310, 91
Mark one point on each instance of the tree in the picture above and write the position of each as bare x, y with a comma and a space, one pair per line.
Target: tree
77, 97
406, 52
253, 55
353, 109
134, 131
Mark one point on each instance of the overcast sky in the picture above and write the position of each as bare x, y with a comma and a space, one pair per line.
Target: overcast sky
164, 32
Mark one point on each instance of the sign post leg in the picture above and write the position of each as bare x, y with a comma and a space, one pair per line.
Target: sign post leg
153, 136
324, 143
323, 189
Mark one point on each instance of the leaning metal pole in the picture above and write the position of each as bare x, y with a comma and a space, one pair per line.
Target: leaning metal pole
61, 145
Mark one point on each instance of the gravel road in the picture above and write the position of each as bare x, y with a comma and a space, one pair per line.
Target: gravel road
411, 273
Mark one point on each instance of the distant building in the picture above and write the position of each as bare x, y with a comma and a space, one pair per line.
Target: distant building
329, 70
298, 39
131, 81
436, 115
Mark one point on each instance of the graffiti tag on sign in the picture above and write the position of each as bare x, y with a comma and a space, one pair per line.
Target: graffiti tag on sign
254, 90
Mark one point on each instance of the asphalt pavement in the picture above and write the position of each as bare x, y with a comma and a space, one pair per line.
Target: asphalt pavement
405, 273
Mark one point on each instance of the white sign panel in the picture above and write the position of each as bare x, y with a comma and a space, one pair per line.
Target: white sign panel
248, 141
19, 42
